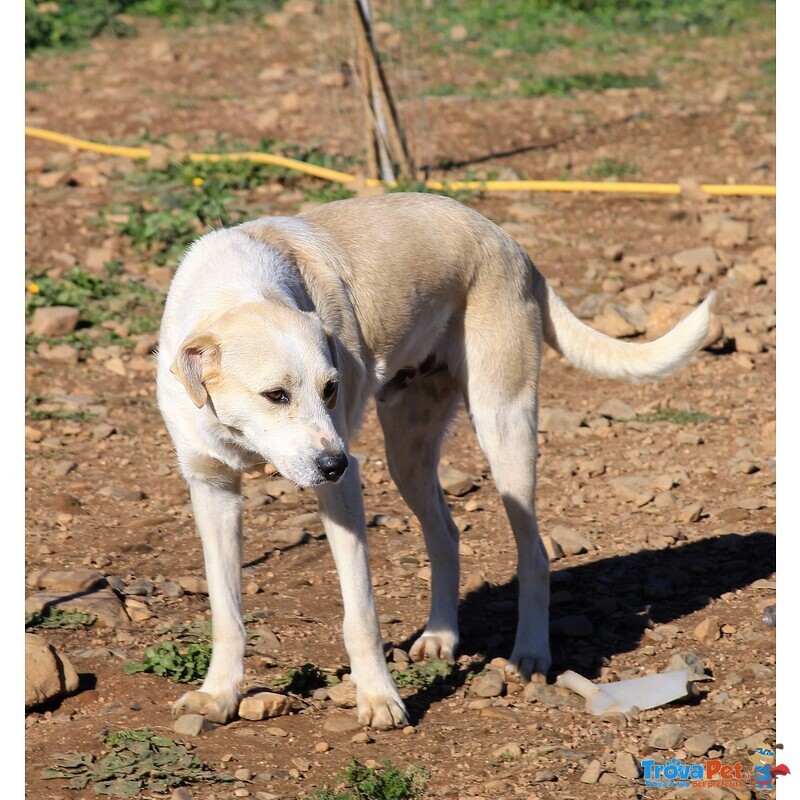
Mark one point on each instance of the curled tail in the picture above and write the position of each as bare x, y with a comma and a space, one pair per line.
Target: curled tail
608, 357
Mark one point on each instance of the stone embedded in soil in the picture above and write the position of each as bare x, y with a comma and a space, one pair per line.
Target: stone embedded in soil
509, 750
699, 744
703, 259
691, 513
492, 684
192, 725
66, 504
54, 320
48, 673
455, 482
552, 548
103, 603
122, 493
500, 713
559, 419
264, 705
193, 584
80, 580
343, 695
338, 723
666, 737
265, 641
626, 766
616, 409
708, 630
570, 541
592, 773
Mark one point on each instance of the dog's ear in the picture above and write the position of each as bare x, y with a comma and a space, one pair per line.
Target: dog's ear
333, 347
197, 362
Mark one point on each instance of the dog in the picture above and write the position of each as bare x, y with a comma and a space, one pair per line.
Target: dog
277, 332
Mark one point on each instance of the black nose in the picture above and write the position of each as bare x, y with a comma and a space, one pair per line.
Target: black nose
332, 465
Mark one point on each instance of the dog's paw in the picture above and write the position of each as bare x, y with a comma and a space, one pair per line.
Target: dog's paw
430, 646
381, 711
527, 668
215, 708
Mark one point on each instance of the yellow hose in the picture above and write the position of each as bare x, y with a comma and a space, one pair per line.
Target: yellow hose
612, 187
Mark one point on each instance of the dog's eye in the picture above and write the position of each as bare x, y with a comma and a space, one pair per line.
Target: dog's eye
276, 396
329, 390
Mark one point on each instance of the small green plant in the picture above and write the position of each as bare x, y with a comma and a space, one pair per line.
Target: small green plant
59, 414
168, 660
137, 763
611, 168
409, 185
423, 676
58, 618
303, 679
359, 782
560, 85
671, 415
326, 193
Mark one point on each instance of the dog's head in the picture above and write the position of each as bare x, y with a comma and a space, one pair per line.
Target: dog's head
269, 373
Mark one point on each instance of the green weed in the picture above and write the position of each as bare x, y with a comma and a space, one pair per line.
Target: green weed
358, 782
58, 618
560, 85
35, 414
326, 193
423, 676
137, 763
611, 168
409, 185
678, 417
168, 660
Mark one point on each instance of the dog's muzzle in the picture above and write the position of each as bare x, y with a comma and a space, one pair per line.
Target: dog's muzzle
332, 465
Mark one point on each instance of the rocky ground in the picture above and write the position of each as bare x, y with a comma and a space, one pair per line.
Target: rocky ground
657, 501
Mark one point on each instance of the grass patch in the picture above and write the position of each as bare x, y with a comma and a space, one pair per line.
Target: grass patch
605, 168
560, 85
58, 618
37, 414
358, 782
69, 24
423, 676
678, 417
98, 297
168, 660
408, 185
136, 763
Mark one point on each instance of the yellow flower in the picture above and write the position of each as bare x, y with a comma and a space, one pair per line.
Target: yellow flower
33, 288
198, 181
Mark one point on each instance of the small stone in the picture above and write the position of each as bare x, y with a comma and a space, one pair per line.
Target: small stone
592, 773
748, 343
341, 724
731, 233
264, 705
703, 259
699, 744
559, 419
545, 776
708, 630
193, 585
500, 713
343, 695
476, 582
321, 747
617, 409
570, 541
692, 513
362, 738
278, 733
552, 548
455, 482
492, 684
626, 766
192, 725
666, 737
54, 320
265, 641
509, 751
243, 774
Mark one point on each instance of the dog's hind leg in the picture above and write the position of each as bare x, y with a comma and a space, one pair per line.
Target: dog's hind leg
503, 369
217, 506
342, 510
413, 427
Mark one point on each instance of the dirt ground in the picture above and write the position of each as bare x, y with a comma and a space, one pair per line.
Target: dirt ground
693, 544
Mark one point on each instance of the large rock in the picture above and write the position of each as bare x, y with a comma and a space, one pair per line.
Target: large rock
79, 580
104, 604
455, 482
54, 321
48, 674
559, 419
343, 694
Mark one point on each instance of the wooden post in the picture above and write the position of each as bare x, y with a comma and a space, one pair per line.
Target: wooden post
386, 142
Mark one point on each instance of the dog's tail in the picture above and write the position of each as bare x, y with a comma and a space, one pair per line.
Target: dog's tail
607, 357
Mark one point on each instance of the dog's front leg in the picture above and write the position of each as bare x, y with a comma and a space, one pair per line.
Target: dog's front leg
342, 510
217, 506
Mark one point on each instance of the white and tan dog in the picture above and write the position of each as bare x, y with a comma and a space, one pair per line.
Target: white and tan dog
275, 335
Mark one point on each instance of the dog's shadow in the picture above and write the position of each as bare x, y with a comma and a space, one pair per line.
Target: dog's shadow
618, 597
